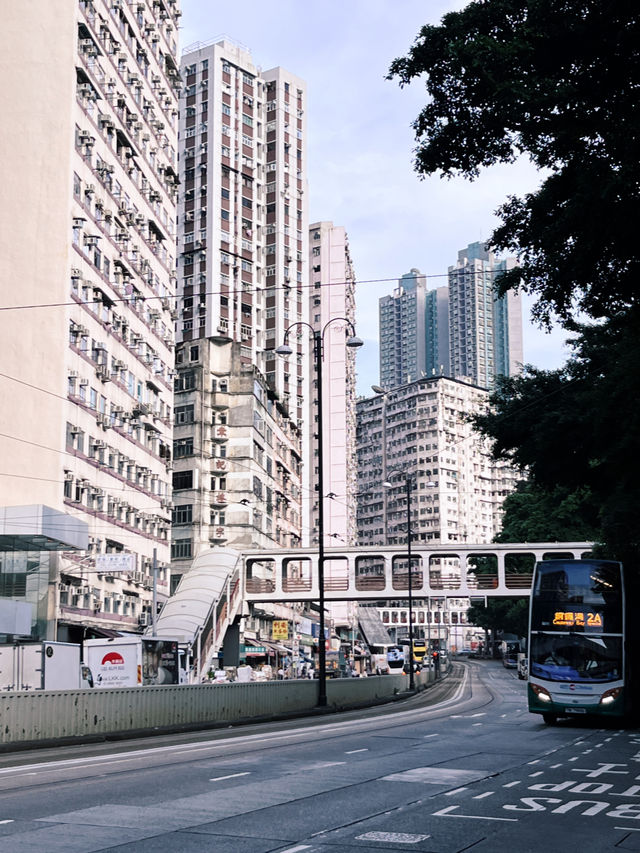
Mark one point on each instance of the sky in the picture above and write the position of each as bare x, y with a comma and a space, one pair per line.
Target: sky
360, 145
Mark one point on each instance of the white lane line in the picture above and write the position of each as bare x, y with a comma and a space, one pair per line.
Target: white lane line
455, 791
296, 849
445, 813
537, 773
555, 766
475, 724
353, 751
482, 796
433, 735
627, 828
6, 821
535, 761
329, 764
575, 758
230, 776
511, 784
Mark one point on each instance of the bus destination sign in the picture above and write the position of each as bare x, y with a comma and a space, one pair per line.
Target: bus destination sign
577, 619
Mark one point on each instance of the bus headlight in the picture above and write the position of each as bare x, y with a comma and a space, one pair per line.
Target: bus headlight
542, 694
610, 696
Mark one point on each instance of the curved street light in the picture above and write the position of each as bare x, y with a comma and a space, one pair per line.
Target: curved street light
318, 353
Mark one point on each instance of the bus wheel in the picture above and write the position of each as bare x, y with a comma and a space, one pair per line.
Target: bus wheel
550, 719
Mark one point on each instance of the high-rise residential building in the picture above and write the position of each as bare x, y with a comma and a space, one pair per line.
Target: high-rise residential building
89, 172
403, 340
485, 332
243, 273
460, 330
423, 428
332, 298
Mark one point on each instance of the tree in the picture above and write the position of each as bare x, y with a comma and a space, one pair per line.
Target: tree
501, 616
556, 514
555, 80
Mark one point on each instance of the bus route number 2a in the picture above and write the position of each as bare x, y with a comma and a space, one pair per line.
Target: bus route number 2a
577, 618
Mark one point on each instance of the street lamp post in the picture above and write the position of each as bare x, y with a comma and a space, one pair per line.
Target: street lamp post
318, 354
408, 482
408, 485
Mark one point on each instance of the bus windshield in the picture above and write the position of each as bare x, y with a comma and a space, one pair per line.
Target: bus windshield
575, 657
573, 597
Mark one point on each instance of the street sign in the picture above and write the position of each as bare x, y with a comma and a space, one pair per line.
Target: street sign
109, 563
280, 629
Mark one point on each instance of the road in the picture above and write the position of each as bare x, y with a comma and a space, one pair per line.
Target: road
473, 771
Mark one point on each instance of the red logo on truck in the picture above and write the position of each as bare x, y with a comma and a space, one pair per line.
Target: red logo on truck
113, 658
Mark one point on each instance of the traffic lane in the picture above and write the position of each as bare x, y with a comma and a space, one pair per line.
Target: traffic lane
586, 792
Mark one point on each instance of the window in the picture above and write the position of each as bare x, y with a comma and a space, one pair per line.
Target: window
183, 447
182, 514
194, 353
182, 480
180, 548
183, 414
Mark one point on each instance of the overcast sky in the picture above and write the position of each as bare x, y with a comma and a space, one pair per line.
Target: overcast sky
360, 145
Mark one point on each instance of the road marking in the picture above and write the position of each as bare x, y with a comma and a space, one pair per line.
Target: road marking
445, 813
537, 773
455, 791
535, 761
391, 837
6, 821
230, 776
555, 766
575, 758
482, 796
476, 724
296, 849
353, 751
328, 764
627, 828
434, 735
511, 784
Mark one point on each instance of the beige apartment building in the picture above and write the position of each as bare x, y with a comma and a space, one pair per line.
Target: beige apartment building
89, 173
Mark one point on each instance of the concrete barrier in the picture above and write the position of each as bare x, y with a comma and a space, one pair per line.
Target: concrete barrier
66, 715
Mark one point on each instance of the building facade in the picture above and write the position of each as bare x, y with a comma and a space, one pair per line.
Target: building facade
485, 332
89, 139
243, 268
460, 330
423, 428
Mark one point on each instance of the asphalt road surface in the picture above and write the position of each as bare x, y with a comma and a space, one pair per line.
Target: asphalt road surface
462, 767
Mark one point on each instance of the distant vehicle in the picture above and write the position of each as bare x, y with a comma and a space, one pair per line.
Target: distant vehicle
395, 658
577, 649
379, 662
43, 666
509, 650
523, 666
419, 648
132, 661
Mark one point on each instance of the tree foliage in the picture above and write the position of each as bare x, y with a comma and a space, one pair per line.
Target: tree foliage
556, 80
501, 615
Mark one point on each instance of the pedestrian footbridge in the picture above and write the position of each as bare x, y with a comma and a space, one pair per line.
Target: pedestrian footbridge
222, 582
377, 573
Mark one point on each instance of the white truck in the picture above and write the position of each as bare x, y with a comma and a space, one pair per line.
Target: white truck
132, 661
43, 666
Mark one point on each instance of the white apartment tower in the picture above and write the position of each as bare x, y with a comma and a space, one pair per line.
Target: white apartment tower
243, 269
89, 172
332, 298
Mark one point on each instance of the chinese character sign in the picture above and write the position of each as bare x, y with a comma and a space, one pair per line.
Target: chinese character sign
280, 629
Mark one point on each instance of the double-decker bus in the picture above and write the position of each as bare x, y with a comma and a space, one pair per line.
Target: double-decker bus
576, 639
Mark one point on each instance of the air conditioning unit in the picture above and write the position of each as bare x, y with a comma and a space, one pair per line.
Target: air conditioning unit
83, 382
73, 374
144, 619
63, 587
